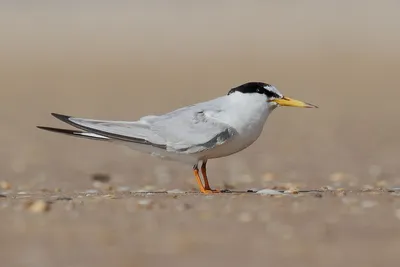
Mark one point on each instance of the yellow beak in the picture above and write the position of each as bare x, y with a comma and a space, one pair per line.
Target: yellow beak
289, 102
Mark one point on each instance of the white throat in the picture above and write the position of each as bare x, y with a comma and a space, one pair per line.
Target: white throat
248, 112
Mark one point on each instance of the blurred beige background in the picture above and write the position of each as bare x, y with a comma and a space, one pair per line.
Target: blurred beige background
125, 59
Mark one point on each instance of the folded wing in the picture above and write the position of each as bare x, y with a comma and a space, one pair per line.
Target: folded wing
187, 130
192, 129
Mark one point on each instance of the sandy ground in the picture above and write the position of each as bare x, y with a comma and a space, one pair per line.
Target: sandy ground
127, 60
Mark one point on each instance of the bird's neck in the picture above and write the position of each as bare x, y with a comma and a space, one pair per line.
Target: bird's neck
251, 109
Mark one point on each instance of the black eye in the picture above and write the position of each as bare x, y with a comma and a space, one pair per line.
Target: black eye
271, 94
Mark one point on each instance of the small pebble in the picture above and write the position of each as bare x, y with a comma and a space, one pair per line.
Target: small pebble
291, 191
253, 190
38, 206
382, 184
123, 189
269, 192
5, 185
367, 188
289, 186
91, 191
327, 188
110, 196
226, 191
101, 177
175, 191
108, 187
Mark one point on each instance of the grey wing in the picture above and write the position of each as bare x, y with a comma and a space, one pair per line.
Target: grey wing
186, 130
192, 129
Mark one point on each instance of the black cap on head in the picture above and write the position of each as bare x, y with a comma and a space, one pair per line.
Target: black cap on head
257, 88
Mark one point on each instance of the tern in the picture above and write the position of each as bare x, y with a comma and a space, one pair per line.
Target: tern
194, 134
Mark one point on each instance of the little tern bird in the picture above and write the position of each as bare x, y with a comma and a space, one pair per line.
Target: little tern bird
194, 134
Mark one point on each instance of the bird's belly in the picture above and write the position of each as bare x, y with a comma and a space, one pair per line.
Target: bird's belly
238, 143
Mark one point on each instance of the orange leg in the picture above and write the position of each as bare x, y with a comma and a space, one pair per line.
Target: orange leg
198, 179
204, 173
207, 188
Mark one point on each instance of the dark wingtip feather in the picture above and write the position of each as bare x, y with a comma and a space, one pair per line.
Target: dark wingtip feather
42, 127
58, 130
76, 133
61, 117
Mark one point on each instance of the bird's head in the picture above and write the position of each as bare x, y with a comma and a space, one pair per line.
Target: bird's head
272, 96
